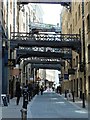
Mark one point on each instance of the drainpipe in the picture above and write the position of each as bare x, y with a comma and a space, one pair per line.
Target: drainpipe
84, 59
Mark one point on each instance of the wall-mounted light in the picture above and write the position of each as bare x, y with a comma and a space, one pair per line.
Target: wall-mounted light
4, 43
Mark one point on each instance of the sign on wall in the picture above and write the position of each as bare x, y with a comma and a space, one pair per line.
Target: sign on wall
11, 62
66, 76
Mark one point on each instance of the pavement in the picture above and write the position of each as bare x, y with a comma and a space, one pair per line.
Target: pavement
12, 110
78, 102
48, 105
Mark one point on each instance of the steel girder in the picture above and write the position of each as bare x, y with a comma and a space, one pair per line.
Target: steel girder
46, 66
62, 2
20, 53
42, 59
46, 40
43, 62
75, 45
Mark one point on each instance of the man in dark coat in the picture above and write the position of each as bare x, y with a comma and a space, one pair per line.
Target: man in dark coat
18, 92
41, 89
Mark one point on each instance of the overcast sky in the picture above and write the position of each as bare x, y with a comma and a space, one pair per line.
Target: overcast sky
51, 13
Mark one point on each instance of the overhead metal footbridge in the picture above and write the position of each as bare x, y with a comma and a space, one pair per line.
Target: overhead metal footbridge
41, 36
72, 41
20, 53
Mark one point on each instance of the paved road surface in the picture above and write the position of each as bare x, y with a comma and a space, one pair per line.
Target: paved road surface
52, 105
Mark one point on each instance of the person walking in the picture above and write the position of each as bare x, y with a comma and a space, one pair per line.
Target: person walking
18, 92
37, 89
41, 89
30, 90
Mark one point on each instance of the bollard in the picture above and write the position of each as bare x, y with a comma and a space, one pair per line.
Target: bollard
81, 94
4, 99
23, 114
65, 94
83, 100
25, 98
25, 101
73, 96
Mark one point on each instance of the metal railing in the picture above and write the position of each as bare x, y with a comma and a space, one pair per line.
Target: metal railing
45, 37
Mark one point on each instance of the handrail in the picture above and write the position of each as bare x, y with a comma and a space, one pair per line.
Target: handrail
45, 36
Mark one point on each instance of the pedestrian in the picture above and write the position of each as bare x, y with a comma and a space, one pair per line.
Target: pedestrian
37, 89
59, 89
53, 88
30, 89
18, 92
41, 89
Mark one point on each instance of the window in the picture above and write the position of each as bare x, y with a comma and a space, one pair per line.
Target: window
86, 2
26, 22
67, 24
11, 6
23, 13
70, 28
89, 83
79, 11
73, 24
23, 26
10, 28
88, 23
76, 17
80, 31
76, 60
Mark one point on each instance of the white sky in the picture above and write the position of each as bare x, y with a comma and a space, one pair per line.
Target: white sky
51, 13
